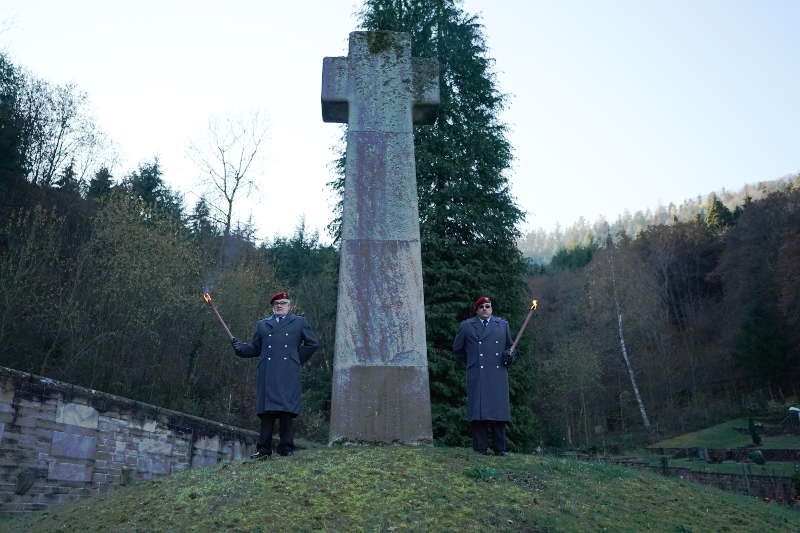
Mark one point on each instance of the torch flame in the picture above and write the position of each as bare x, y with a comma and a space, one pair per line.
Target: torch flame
534, 304
207, 298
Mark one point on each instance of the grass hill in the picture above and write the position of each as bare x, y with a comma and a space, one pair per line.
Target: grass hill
397, 488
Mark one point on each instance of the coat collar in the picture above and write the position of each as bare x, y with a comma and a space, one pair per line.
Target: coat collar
477, 325
273, 322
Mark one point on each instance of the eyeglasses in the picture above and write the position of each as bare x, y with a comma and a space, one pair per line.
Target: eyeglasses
485, 306
280, 302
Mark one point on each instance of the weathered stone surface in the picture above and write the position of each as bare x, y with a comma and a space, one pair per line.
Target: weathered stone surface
390, 401
155, 446
69, 472
204, 460
6, 397
207, 443
379, 86
153, 464
73, 446
76, 414
387, 336
2, 430
380, 383
383, 204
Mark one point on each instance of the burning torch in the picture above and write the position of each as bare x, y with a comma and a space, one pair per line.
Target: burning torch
207, 298
534, 305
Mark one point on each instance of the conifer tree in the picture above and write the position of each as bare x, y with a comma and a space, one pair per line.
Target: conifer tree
468, 218
101, 184
718, 217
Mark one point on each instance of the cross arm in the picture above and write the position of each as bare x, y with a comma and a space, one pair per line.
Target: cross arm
334, 89
426, 90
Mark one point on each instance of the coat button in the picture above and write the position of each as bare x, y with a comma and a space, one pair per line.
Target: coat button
285, 345
270, 346
481, 366
269, 335
285, 360
287, 334
270, 359
497, 353
479, 342
498, 367
497, 342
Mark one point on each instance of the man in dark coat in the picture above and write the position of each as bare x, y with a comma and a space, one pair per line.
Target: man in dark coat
484, 341
283, 342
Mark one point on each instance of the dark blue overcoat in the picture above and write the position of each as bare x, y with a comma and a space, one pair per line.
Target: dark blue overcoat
487, 378
282, 348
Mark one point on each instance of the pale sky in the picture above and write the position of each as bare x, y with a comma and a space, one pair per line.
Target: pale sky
614, 105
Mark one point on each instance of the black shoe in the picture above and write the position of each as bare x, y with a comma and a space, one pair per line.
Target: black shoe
502, 454
261, 454
286, 453
481, 452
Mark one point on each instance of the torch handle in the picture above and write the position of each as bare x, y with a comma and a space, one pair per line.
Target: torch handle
521, 331
219, 317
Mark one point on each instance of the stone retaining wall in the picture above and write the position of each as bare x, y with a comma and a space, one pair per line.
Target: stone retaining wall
59, 442
758, 486
731, 454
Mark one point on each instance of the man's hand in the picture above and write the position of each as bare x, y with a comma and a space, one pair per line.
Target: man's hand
508, 358
237, 345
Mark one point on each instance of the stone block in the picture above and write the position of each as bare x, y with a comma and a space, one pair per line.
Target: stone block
75, 414
69, 472
207, 443
153, 464
155, 446
73, 446
381, 404
149, 426
2, 430
204, 460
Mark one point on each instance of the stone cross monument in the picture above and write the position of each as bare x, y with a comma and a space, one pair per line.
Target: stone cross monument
380, 373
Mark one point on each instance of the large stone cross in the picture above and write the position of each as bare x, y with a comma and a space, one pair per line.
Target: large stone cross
380, 375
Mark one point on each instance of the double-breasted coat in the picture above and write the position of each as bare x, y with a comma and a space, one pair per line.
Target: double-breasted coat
487, 378
282, 348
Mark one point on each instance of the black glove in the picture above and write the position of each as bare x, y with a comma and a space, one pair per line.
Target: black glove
508, 358
237, 345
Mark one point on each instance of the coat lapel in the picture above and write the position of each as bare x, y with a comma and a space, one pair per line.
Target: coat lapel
477, 326
283, 323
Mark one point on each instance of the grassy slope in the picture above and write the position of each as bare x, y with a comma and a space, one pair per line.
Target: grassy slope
397, 488
724, 436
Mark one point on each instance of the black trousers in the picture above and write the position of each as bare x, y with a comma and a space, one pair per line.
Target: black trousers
482, 429
286, 431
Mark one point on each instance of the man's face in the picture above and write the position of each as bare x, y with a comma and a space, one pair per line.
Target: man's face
484, 310
281, 307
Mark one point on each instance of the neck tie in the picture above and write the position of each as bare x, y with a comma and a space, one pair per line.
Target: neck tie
485, 323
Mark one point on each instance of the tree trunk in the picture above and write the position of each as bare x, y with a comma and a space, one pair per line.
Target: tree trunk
622, 339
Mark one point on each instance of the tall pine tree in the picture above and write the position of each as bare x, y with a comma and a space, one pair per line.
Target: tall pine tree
468, 218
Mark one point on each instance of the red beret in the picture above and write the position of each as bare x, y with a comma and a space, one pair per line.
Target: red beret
481, 300
279, 296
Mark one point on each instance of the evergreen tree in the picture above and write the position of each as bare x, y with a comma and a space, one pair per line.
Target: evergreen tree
68, 181
468, 218
11, 126
146, 184
718, 217
101, 184
761, 350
